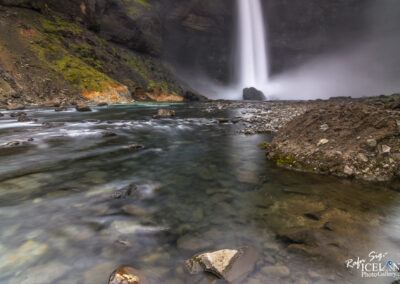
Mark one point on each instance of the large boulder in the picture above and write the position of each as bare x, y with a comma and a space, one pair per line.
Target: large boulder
227, 264
252, 94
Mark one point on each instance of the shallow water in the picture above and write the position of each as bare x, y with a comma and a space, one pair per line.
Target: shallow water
201, 187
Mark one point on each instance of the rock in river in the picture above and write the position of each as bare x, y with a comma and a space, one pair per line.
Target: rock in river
227, 264
127, 275
25, 118
125, 191
83, 108
164, 113
108, 134
252, 94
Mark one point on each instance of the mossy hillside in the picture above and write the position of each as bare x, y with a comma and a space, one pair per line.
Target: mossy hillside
74, 61
78, 61
135, 70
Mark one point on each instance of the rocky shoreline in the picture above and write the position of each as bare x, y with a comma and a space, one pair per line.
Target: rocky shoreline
356, 138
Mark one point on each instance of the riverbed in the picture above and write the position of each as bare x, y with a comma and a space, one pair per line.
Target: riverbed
201, 185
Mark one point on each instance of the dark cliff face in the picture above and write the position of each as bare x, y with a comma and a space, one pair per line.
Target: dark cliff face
299, 30
199, 35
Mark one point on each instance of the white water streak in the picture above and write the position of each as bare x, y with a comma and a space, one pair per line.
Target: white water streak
253, 52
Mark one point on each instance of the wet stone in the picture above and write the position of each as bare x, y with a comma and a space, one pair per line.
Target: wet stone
51, 124
108, 134
13, 144
164, 113
227, 264
83, 108
133, 147
25, 118
125, 192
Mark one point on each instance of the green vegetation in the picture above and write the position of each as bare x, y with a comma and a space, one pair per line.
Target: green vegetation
63, 49
144, 3
72, 68
264, 145
56, 25
284, 160
74, 61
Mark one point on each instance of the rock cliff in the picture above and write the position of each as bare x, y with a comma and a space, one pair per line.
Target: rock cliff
125, 50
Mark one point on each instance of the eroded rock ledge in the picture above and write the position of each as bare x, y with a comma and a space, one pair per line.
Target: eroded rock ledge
353, 139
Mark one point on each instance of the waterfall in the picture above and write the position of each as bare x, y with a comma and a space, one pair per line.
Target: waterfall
253, 64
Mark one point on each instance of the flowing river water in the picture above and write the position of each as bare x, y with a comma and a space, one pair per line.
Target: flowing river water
201, 186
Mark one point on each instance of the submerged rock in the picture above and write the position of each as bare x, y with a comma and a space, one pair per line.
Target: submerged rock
13, 144
50, 124
223, 120
25, 118
124, 192
252, 94
164, 113
108, 134
102, 104
227, 264
133, 147
127, 275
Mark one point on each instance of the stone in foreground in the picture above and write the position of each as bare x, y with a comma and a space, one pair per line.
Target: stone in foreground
127, 275
227, 264
252, 94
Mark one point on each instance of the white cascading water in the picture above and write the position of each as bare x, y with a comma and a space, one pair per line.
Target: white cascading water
253, 63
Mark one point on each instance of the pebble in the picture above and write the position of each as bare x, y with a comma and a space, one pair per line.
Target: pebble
322, 142
324, 127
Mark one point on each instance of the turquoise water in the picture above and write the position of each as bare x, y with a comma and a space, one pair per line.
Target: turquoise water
201, 186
